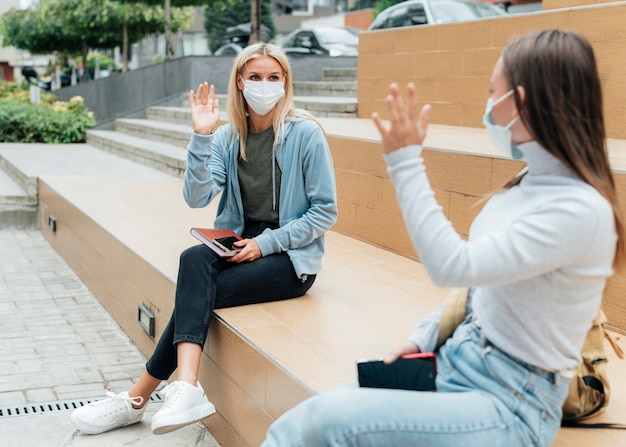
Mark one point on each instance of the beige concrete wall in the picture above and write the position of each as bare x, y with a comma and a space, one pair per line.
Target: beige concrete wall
451, 64
558, 4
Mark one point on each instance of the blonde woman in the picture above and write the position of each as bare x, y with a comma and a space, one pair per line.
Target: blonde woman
272, 165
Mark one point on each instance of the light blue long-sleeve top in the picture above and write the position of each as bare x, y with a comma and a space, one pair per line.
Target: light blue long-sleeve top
537, 258
308, 198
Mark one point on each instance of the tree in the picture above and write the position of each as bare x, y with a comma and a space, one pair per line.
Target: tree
167, 17
31, 30
255, 21
381, 5
222, 14
72, 27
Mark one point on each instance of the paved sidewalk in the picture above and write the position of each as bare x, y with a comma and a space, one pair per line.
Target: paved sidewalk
59, 345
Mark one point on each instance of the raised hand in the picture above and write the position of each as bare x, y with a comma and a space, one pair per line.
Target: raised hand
404, 130
205, 109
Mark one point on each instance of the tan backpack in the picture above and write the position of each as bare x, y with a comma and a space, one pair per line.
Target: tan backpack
589, 390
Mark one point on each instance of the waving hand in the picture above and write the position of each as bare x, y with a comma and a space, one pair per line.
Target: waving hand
205, 109
405, 129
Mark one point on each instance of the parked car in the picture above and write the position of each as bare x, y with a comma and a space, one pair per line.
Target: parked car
423, 12
228, 49
323, 41
236, 38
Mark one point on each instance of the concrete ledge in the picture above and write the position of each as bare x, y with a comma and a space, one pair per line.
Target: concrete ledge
167, 132
164, 157
325, 88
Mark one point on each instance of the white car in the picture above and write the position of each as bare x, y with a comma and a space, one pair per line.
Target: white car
424, 12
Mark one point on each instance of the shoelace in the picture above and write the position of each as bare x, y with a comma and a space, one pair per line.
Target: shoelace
102, 404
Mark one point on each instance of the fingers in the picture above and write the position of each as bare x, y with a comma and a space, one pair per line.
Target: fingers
211, 94
405, 128
250, 251
405, 348
378, 123
412, 97
422, 123
203, 94
394, 104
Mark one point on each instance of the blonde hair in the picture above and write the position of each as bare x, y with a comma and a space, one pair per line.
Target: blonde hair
236, 104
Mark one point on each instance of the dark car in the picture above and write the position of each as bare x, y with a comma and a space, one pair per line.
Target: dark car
236, 38
322, 41
424, 12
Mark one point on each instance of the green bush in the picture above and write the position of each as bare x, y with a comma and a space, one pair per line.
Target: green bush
59, 122
21, 92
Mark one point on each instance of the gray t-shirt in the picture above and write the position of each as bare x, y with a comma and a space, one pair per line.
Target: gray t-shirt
255, 178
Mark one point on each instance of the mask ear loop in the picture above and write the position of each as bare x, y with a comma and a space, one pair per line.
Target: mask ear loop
503, 97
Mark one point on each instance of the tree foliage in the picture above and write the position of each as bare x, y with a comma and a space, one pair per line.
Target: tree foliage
73, 26
221, 14
381, 5
30, 30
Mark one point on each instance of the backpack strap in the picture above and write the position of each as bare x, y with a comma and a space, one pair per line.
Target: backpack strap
453, 313
618, 350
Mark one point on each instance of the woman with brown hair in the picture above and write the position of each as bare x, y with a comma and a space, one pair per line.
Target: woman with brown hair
536, 262
271, 167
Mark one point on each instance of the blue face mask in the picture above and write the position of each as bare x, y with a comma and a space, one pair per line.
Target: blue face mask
501, 135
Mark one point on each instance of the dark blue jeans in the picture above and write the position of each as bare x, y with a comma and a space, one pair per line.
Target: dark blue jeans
207, 282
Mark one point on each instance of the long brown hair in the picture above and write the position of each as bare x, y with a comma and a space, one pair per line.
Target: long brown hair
562, 109
237, 108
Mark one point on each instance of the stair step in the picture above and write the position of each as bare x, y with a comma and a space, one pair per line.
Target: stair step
325, 88
16, 175
18, 208
166, 132
155, 154
175, 115
339, 74
328, 107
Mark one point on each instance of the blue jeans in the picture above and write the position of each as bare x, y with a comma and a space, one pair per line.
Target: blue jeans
483, 398
206, 282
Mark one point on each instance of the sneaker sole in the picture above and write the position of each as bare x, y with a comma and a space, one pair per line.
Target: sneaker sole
189, 417
96, 431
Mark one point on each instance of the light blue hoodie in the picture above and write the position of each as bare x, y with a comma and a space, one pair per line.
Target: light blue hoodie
308, 198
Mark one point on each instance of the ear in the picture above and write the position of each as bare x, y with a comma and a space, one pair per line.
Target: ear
240, 83
521, 93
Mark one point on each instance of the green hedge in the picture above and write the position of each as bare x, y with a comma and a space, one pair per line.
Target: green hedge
59, 122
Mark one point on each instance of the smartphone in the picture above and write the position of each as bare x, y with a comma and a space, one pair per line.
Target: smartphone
226, 243
416, 372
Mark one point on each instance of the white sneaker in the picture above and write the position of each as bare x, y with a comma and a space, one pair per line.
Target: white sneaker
184, 404
107, 414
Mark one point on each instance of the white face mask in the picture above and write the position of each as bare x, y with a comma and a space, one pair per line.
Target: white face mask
262, 96
501, 135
